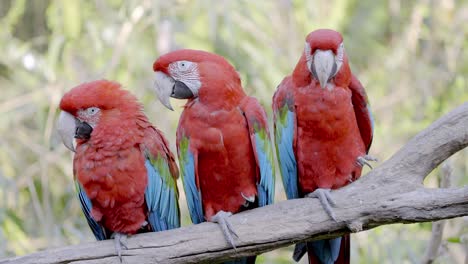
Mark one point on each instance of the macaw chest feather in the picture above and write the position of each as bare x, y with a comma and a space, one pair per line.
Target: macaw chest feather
328, 138
115, 182
226, 162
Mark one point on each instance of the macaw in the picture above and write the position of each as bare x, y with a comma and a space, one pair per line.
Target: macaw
323, 132
125, 175
223, 141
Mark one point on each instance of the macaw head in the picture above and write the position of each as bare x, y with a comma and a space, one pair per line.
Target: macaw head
190, 74
325, 58
93, 107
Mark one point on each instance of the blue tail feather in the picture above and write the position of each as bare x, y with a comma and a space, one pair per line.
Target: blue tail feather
246, 260
327, 250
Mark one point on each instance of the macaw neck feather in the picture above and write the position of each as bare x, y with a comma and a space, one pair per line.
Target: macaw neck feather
118, 132
301, 75
221, 95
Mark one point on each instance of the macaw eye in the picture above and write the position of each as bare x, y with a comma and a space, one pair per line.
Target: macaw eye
184, 65
92, 111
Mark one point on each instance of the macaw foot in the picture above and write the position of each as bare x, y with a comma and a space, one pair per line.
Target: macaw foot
120, 241
222, 219
364, 160
325, 199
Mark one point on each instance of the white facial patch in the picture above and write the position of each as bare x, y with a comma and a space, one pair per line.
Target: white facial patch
339, 57
307, 51
90, 115
186, 72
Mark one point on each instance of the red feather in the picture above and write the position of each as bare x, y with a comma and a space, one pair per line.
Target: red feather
225, 162
328, 139
111, 164
361, 109
225, 165
332, 127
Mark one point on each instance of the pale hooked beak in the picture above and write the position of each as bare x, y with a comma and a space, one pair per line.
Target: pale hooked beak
163, 85
66, 127
166, 87
323, 66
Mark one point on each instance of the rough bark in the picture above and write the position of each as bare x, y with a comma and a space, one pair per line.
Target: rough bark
391, 193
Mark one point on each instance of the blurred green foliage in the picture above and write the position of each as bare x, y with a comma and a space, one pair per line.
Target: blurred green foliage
410, 55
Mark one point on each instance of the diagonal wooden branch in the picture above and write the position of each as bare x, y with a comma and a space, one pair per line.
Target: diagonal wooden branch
391, 193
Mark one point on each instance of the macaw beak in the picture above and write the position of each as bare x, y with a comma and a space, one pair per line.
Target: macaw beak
66, 127
83, 130
323, 66
167, 87
70, 128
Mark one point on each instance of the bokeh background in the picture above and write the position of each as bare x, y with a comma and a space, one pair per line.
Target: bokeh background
410, 55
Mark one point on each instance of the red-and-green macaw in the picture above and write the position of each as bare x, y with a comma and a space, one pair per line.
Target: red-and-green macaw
323, 132
225, 154
124, 172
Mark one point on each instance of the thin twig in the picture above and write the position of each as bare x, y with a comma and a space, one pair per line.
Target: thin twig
125, 31
432, 250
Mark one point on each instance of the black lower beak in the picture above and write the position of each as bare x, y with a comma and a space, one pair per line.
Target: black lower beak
181, 91
83, 130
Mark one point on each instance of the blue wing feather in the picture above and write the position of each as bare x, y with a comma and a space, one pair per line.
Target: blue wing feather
257, 124
161, 197
192, 193
326, 250
266, 186
87, 206
284, 135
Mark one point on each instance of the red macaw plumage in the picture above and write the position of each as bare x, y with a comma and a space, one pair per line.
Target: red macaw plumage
124, 172
225, 154
323, 131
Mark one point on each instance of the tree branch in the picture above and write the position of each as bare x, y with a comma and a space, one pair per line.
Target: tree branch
391, 193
